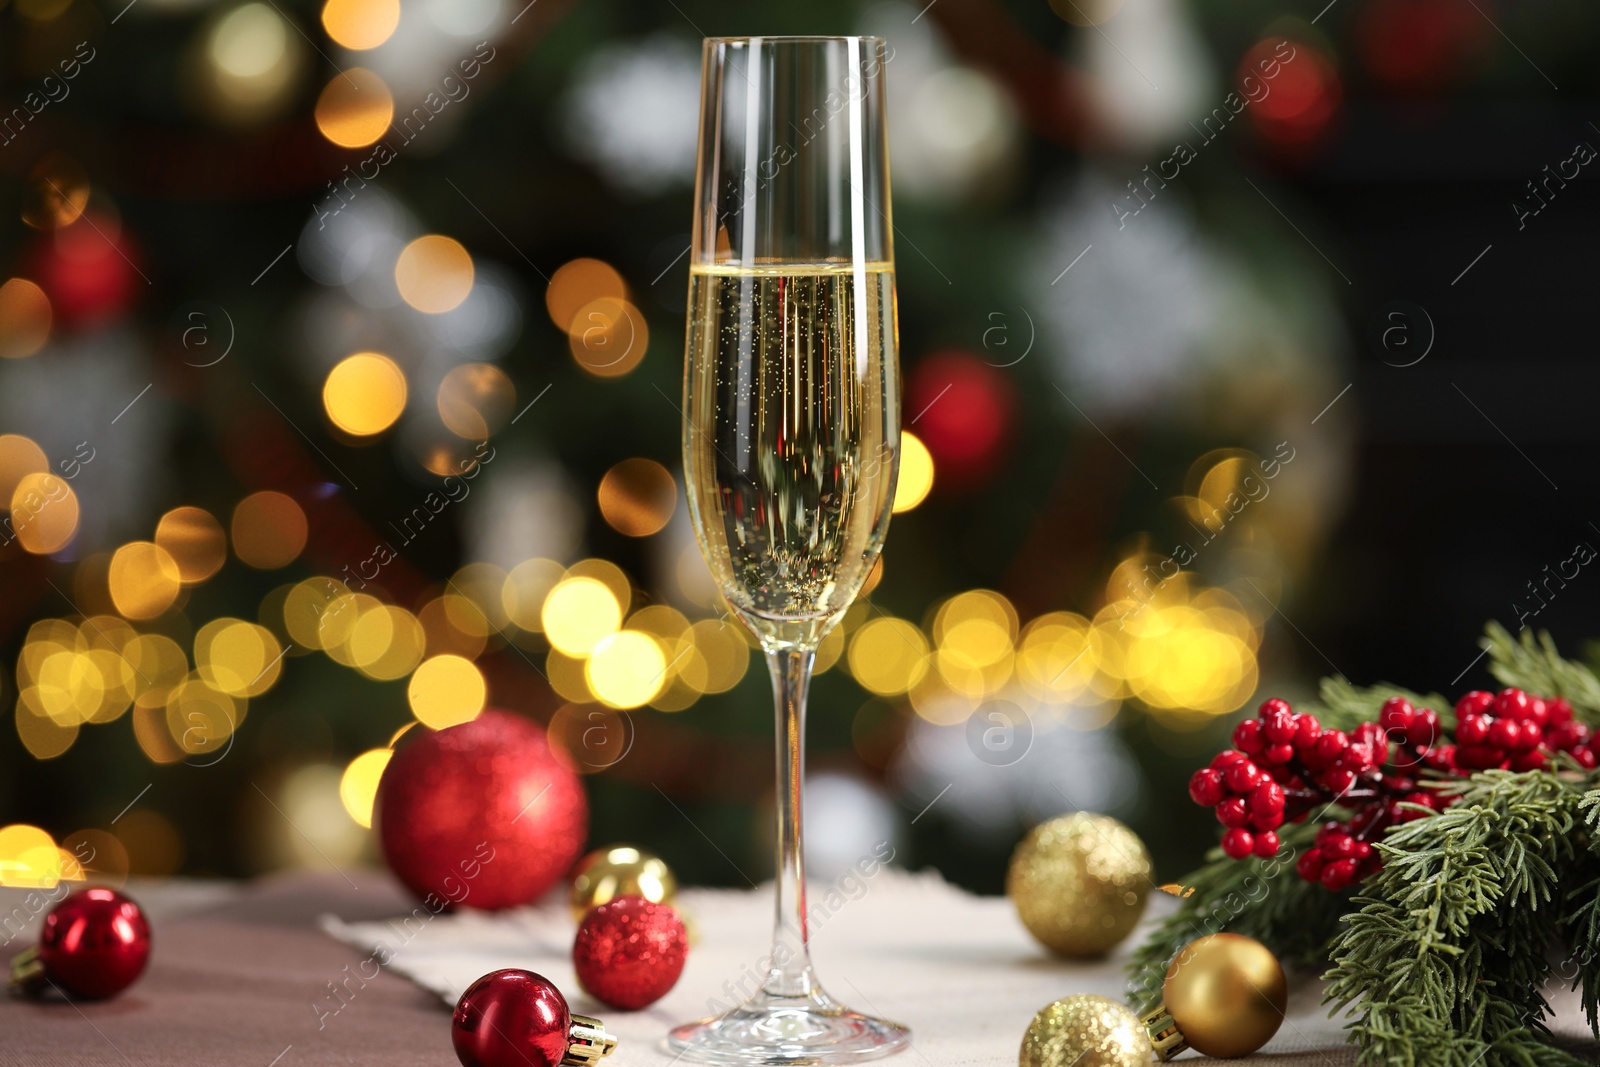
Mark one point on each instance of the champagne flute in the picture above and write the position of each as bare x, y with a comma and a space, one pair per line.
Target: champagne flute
791, 433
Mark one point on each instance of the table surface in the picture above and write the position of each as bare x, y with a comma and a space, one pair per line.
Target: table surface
240, 974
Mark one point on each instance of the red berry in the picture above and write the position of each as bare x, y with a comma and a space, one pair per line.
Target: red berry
1504, 734
1558, 709
1565, 736
1306, 730
1360, 850
1206, 788
1585, 757
1309, 865
1238, 843
1272, 706
1339, 874
1424, 728
1396, 714
1233, 812
1339, 779
1266, 844
1474, 703
1279, 753
1267, 799
1279, 726
1226, 758
1328, 830
1472, 729
1425, 800
1338, 846
1242, 777
1538, 711
1266, 822
1529, 760
1247, 737
1441, 757
1332, 744
1512, 704
1478, 757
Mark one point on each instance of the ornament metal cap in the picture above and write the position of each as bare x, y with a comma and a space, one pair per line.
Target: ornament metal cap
587, 1042
1165, 1037
27, 973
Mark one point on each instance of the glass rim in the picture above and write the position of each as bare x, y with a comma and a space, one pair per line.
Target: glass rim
793, 39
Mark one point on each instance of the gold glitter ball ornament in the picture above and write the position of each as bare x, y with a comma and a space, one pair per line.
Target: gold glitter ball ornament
1079, 883
620, 871
1224, 996
1085, 1031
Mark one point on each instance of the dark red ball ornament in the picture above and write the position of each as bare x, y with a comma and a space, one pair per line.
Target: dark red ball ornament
481, 814
515, 1018
93, 945
630, 952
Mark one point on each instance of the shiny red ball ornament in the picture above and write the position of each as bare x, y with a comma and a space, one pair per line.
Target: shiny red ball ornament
481, 814
93, 945
964, 409
515, 1018
630, 952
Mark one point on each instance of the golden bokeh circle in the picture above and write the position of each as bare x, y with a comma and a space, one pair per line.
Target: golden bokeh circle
475, 400
916, 473
626, 669
144, 580
365, 393
269, 530
637, 497
355, 108
57, 192
44, 513
578, 614
434, 274
360, 24
18, 456
194, 538
25, 318
358, 786
446, 690
608, 337
579, 282
888, 656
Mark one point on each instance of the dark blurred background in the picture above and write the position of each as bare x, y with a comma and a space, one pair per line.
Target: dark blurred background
1243, 344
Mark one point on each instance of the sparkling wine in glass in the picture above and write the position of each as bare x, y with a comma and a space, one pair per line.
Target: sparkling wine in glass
791, 433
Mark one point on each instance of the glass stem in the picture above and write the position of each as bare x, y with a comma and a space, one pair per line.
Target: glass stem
789, 972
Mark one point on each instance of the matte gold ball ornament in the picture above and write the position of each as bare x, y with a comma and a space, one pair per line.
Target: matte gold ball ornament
1224, 995
1085, 1031
1079, 883
620, 871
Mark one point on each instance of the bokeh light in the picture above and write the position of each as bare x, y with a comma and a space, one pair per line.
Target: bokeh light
580, 282
24, 318
194, 539
387, 642
249, 59
916, 473
360, 24
28, 857
18, 456
608, 337
523, 593
242, 659
269, 530
578, 613
637, 497
434, 274
888, 656
446, 690
626, 669
355, 108
475, 400
144, 580
202, 718
57, 191
44, 513
358, 786
364, 394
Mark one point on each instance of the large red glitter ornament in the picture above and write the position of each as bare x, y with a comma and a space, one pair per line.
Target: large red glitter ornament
963, 409
93, 945
630, 952
515, 1018
481, 814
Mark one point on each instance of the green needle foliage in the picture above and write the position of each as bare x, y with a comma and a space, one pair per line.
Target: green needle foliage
1442, 957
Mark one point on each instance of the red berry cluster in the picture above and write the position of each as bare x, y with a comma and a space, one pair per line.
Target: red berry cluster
1517, 731
1283, 765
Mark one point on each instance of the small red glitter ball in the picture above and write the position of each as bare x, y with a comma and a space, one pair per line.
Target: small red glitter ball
629, 952
94, 944
481, 814
511, 1018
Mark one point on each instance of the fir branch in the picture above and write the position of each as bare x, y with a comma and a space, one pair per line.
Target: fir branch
1530, 663
1445, 954
1342, 706
1263, 899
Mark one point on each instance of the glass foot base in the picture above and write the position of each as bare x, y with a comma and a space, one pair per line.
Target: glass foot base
788, 1030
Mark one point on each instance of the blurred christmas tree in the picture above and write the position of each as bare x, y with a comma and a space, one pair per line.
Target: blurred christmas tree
342, 395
